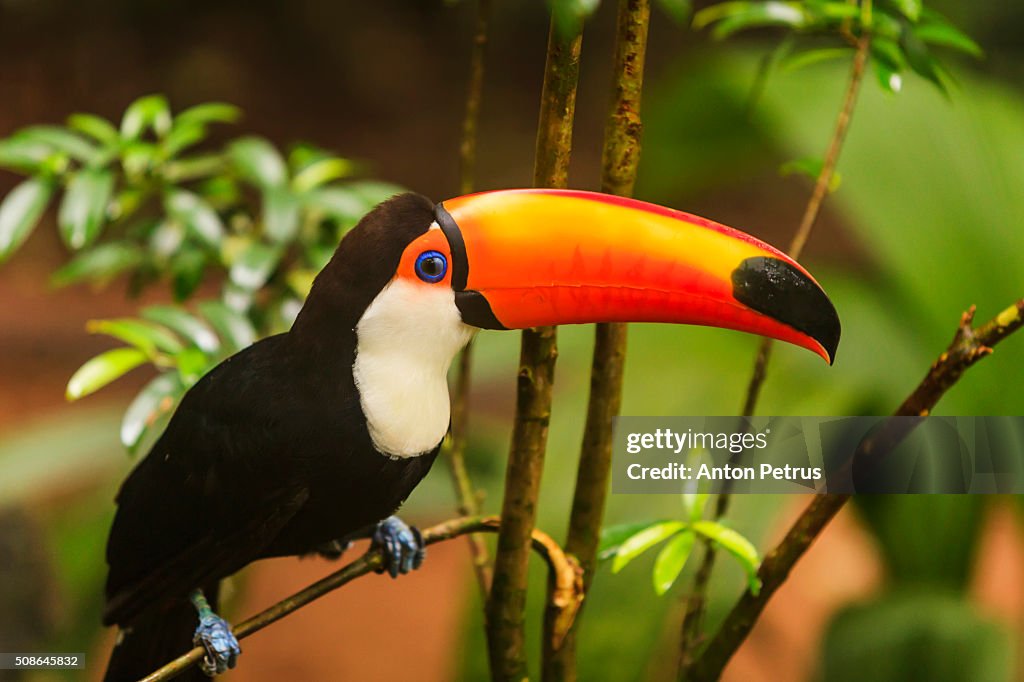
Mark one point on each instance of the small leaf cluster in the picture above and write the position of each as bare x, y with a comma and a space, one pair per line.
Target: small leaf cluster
903, 33
621, 544
154, 199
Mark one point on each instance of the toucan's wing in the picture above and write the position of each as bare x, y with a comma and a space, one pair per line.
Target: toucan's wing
214, 490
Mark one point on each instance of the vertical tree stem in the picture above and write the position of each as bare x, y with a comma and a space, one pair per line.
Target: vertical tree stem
468, 504
693, 618
507, 601
620, 157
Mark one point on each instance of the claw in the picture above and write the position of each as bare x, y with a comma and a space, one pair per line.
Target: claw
401, 544
222, 649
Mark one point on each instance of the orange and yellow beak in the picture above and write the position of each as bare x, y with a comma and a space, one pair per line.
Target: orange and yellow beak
532, 257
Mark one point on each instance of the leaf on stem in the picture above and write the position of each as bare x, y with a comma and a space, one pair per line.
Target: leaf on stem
20, 211
84, 207
102, 369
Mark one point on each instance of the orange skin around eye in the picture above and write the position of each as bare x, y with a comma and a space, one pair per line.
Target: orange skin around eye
432, 240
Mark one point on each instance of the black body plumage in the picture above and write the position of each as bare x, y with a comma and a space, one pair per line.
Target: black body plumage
267, 455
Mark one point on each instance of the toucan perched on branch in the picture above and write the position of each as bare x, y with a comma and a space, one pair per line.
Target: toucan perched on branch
309, 439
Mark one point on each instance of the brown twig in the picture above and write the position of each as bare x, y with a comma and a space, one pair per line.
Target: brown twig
696, 601
620, 157
507, 601
455, 446
969, 345
568, 595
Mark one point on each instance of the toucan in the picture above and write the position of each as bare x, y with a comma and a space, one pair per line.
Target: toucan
309, 439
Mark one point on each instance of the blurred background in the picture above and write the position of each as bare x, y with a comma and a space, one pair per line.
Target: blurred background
927, 221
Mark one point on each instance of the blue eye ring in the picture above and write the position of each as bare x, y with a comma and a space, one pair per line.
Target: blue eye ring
431, 266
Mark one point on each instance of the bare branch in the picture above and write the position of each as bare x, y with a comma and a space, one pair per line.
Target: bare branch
621, 156
969, 345
506, 605
455, 447
568, 595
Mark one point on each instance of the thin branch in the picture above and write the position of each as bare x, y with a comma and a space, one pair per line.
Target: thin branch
455, 447
969, 345
696, 601
567, 597
620, 158
506, 605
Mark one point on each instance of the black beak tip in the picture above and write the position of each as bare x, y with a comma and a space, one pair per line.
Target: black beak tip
775, 288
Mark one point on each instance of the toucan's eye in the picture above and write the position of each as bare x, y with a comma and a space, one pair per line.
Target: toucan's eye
431, 266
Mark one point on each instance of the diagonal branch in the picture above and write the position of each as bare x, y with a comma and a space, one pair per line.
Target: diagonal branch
970, 344
566, 598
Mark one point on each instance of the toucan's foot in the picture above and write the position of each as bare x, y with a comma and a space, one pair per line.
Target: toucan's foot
222, 649
401, 544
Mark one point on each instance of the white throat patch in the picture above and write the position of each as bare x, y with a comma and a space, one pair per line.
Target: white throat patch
405, 342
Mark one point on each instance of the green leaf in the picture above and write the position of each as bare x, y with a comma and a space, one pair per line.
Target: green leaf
320, 173
678, 10
192, 365
921, 61
84, 208
146, 336
187, 267
234, 328
810, 167
193, 167
889, 79
188, 326
138, 157
613, 537
731, 17
280, 214
340, 203
258, 162
100, 263
209, 112
23, 154
146, 113
809, 57
890, 52
937, 31
644, 540
254, 266
95, 127
911, 9
182, 137
102, 369
197, 216
152, 402
735, 544
671, 560
62, 140
19, 213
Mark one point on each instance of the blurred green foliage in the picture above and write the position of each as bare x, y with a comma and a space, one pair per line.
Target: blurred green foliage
149, 199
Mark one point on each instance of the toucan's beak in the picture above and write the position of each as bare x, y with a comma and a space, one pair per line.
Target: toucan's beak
525, 258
